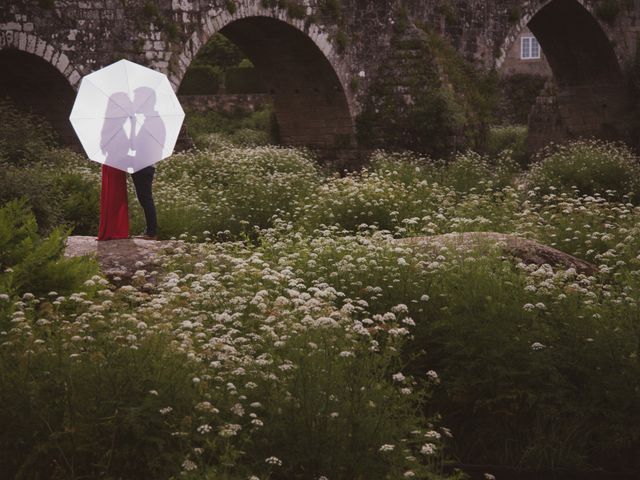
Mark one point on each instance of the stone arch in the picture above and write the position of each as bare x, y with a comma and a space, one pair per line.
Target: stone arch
39, 78
578, 51
588, 96
301, 70
28, 43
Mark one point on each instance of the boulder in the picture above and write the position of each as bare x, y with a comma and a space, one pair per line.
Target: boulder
528, 251
118, 259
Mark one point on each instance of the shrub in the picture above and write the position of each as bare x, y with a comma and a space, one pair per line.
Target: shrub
233, 367
589, 167
511, 138
225, 125
467, 171
200, 80
524, 355
80, 202
61, 187
363, 198
243, 80
29, 263
23, 136
219, 52
537, 366
248, 137
229, 189
74, 410
37, 187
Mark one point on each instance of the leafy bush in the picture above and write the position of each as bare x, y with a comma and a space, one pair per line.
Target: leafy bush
219, 52
232, 367
471, 171
61, 187
589, 167
35, 185
532, 361
29, 263
244, 80
228, 190
85, 408
227, 125
200, 80
80, 202
23, 136
248, 137
512, 138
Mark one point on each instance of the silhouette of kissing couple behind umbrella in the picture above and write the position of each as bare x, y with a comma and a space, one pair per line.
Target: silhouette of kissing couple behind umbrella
133, 134
142, 142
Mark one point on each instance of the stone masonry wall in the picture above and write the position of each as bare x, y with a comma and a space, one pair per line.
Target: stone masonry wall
352, 41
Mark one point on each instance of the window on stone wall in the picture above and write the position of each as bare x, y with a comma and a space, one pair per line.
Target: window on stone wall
530, 48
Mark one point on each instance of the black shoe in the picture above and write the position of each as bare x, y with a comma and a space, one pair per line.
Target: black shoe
146, 236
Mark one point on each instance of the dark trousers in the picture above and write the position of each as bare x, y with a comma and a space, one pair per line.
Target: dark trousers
142, 180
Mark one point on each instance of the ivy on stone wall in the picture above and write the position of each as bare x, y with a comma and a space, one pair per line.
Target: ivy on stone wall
341, 41
479, 89
295, 9
426, 98
514, 14
609, 10
231, 7
150, 13
401, 22
331, 8
518, 94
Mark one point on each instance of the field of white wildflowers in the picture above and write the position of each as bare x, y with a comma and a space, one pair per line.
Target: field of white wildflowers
288, 335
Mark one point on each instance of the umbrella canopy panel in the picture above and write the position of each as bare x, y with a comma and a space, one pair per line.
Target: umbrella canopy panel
127, 116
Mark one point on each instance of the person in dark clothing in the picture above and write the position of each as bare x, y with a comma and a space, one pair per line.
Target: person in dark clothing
149, 144
143, 181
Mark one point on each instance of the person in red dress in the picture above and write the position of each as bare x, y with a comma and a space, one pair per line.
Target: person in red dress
115, 143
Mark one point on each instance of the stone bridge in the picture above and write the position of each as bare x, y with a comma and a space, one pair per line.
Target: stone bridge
343, 74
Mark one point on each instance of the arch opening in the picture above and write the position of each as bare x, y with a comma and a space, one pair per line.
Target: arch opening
35, 85
308, 99
574, 43
586, 95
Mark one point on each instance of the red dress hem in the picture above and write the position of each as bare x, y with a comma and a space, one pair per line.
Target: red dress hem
114, 208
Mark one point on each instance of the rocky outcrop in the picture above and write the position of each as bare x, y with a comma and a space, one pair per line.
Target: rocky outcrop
528, 251
118, 259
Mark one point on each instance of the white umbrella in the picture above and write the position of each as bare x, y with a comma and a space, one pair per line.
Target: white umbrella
127, 116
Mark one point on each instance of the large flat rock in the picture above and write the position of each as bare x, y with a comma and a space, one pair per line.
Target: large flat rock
528, 251
118, 258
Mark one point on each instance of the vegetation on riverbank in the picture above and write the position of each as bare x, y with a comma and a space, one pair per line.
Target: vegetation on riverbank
289, 335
